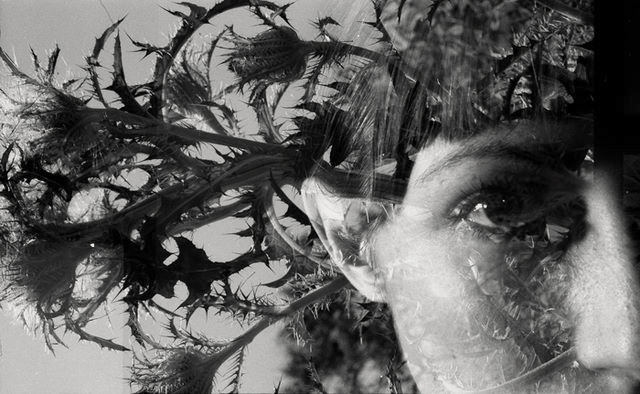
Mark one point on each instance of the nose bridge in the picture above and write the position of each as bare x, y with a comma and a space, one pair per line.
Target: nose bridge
605, 289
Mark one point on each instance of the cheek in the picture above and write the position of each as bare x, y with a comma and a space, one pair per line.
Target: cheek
474, 315
453, 315
417, 265
441, 314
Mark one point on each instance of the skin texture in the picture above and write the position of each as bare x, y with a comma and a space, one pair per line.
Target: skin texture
500, 261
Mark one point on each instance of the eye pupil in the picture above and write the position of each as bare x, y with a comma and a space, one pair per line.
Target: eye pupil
495, 210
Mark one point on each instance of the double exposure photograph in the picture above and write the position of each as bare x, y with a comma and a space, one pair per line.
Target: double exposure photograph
305, 196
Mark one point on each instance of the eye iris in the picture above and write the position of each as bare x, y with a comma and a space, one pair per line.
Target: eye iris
496, 210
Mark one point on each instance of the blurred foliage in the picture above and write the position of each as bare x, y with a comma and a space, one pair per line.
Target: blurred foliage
348, 347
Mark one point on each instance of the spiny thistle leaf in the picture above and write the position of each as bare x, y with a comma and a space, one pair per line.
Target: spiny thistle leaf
15, 71
100, 41
134, 325
293, 211
119, 84
36, 63
378, 25
321, 25
278, 11
52, 62
193, 268
341, 87
228, 113
147, 48
189, 88
145, 272
265, 114
199, 340
92, 61
195, 11
248, 232
196, 15
282, 280
4, 161
102, 342
234, 373
323, 22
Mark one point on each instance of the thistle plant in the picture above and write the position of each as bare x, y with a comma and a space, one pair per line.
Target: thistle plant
140, 154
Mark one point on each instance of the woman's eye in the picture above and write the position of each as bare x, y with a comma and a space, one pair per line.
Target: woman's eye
481, 215
503, 213
497, 211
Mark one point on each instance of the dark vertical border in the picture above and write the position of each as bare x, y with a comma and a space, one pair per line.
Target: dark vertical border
610, 26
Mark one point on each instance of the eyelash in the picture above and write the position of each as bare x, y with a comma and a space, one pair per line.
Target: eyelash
503, 183
481, 190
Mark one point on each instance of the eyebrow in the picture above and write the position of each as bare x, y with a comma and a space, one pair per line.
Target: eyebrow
538, 156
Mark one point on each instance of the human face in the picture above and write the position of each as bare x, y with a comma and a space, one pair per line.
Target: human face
505, 270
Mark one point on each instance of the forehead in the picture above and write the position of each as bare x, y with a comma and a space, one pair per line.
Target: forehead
541, 142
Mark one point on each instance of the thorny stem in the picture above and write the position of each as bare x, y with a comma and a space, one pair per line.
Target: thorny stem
311, 297
14, 68
154, 128
111, 281
217, 214
251, 171
336, 47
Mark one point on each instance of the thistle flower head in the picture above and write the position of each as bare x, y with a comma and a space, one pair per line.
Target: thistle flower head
276, 55
44, 275
175, 370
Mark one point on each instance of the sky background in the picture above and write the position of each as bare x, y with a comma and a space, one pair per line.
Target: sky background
25, 366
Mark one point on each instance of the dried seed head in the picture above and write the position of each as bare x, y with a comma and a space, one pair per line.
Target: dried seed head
44, 274
276, 55
178, 370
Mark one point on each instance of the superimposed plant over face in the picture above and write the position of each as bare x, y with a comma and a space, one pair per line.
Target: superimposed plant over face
109, 177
